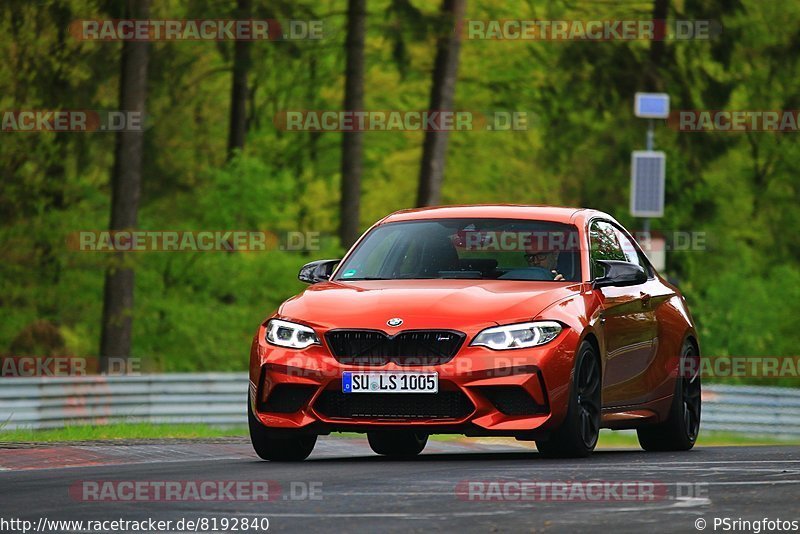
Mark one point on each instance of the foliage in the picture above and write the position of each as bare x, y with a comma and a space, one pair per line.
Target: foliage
198, 311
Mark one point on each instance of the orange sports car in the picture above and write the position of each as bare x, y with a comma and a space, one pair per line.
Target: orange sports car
541, 323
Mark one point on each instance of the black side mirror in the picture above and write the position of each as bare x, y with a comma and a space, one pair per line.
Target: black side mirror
317, 271
620, 274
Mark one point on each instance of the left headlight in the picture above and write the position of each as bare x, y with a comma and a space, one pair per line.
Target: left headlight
290, 335
518, 336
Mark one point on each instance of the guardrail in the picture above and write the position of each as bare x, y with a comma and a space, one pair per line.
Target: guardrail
52, 402
751, 409
219, 399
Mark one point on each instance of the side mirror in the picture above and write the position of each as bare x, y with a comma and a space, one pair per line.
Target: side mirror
620, 274
317, 271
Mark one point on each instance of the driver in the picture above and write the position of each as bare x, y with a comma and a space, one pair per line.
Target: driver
543, 256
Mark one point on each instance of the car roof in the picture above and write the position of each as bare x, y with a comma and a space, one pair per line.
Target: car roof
494, 211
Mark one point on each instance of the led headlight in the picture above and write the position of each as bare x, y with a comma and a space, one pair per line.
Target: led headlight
290, 335
518, 336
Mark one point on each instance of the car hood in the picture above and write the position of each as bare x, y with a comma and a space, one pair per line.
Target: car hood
450, 304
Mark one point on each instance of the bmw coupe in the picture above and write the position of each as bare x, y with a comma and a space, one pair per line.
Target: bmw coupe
539, 323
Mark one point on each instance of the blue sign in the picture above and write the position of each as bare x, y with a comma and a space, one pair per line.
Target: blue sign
651, 105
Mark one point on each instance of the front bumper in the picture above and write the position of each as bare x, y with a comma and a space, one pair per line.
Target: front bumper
482, 392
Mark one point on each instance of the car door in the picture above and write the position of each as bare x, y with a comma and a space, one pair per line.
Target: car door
627, 320
655, 372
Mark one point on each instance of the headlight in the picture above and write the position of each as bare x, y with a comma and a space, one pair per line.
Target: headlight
291, 335
518, 336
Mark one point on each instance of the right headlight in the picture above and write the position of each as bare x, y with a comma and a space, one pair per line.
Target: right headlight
518, 336
290, 335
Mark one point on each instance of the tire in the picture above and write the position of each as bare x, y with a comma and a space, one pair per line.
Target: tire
679, 431
283, 449
397, 443
577, 436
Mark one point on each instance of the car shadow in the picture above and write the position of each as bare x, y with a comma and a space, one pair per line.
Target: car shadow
484, 456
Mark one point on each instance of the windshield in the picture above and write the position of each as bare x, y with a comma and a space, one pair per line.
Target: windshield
501, 249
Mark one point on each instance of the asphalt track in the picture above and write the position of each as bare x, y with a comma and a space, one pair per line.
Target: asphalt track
354, 490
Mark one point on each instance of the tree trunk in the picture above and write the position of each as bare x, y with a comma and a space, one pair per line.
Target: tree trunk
241, 64
445, 72
117, 321
351, 141
653, 80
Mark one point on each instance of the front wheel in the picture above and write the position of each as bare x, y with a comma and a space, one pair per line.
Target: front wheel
679, 431
282, 449
577, 436
397, 443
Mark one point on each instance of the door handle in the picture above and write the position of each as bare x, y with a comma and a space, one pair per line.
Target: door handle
645, 298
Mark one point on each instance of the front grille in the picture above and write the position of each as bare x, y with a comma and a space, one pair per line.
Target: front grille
410, 347
512, 400
287, 398
451, 405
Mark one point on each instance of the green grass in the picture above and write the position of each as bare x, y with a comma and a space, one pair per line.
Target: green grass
627, 439
130, 431
120, 431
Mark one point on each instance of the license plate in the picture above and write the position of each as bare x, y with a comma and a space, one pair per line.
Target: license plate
389, 382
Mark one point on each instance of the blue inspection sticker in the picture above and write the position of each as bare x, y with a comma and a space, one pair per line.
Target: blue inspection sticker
349, 272
347, 382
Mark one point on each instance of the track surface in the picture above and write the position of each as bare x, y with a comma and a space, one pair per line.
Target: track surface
362, 492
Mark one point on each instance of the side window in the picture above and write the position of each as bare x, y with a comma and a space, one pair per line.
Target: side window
629, 249
603, 245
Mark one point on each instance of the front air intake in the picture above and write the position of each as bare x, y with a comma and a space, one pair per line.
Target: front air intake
444, 405
287, 398
512, 400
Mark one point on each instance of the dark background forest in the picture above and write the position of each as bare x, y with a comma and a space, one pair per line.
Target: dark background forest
212, 157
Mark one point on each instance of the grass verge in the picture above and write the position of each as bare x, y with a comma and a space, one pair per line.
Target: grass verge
627, 439
120, 431
129, 431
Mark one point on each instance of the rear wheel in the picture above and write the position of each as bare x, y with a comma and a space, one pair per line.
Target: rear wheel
577, 435
679, 432
397, 443
282, 449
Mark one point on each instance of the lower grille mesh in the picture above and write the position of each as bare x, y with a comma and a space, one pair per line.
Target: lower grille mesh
442, 405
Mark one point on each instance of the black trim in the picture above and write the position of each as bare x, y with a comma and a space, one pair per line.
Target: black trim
512, 400
444, 405
288, 398
407, 347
